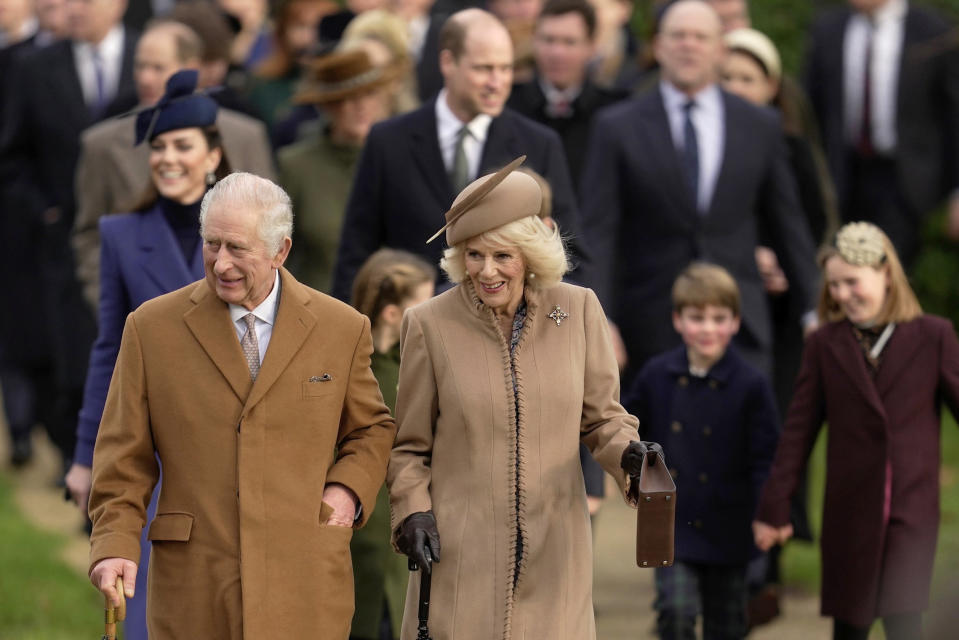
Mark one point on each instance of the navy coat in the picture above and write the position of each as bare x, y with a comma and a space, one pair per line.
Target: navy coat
719, 435
401, 189
140, 259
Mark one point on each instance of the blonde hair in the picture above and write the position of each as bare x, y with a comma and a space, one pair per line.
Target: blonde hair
701, 284
541, 247
900, 305
389, 276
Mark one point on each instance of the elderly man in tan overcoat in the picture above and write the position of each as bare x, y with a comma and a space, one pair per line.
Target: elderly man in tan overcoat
255, 394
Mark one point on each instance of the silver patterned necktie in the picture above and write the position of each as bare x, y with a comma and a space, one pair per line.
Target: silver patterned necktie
251, 346
460, 175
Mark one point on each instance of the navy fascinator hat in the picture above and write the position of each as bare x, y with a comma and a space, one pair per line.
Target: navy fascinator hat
179, 108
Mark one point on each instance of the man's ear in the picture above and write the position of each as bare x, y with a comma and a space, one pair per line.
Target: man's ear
677, 322
283, 253
391, 315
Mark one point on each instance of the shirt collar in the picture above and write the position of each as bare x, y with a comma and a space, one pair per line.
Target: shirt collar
891, 11
677, 364
553, 94
449, 125
266, 310
109, 48
674, 99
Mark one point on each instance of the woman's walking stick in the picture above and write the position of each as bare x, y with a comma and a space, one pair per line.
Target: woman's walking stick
423, 629
113, 614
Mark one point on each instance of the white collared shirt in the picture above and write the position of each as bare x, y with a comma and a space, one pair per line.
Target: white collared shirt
887, 28
265, 314
708, 117
110, 50
556, 97
447, 129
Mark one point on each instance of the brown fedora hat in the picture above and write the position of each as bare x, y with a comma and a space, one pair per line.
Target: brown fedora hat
338, 76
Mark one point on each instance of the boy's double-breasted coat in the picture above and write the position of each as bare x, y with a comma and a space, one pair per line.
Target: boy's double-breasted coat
881, 512
497, 482
239, 545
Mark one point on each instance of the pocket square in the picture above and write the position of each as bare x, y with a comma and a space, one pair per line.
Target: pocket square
323, 378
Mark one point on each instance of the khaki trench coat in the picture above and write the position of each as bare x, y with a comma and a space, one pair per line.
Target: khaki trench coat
239, 550
459, 452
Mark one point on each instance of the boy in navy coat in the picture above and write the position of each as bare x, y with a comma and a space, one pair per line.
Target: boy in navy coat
716, 416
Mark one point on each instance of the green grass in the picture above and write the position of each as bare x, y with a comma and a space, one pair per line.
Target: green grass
41, 598
801, 560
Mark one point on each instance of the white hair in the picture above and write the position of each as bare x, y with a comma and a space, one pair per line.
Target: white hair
272, 202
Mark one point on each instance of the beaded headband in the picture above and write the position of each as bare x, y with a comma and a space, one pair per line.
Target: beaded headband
861, 244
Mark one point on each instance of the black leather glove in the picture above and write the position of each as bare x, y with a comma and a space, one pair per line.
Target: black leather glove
635, 452
418, 538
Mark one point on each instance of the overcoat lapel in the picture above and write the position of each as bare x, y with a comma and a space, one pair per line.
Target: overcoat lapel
899, 352
294, 322
849, 355
655, 125
209, 321
65, 81
427, 154
162, 258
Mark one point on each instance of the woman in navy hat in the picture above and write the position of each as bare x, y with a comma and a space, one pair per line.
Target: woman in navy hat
151, 251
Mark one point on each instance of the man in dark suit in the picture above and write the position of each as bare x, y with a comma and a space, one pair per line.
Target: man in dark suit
688, 172
414, 165
892, 134
62, 89
562, 96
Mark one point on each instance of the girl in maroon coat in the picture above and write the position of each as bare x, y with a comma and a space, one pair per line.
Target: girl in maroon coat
877, 372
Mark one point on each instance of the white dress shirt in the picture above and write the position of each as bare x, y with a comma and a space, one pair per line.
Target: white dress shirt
447, 129
110, 50
887, 28
265, 316
709, 118
559, 102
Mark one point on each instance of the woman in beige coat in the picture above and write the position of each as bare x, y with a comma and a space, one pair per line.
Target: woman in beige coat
501, 378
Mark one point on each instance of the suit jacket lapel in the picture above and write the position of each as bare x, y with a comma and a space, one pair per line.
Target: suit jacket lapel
427, 154
64, 77
655, 123
899, 351
125, 84
162, 257
294, 322
849, 355
209, 321
734, 142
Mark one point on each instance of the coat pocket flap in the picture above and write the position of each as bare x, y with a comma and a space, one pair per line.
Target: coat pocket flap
175, 527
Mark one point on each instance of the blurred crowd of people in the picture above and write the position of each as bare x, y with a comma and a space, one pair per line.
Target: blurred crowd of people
687, 142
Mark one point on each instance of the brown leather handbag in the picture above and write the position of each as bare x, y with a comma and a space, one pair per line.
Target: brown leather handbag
655, 514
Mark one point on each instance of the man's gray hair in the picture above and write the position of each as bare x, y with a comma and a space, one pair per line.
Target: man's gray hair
248, 190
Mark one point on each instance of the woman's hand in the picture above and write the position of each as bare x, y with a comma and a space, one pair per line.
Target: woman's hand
766, 536
634, 454
417, 534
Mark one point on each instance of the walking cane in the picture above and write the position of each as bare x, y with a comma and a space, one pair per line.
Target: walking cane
112, 614
423, 629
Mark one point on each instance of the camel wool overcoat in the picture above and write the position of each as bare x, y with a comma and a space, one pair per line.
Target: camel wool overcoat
239, 545
500, 472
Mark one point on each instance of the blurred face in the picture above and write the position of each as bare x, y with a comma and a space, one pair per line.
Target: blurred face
562, 49
481, 79
239, 267
250, 13
91, 20
516, 10
13, 13
407, 9
743, 76
689, 46
734, 14
706, 331
52, 16
351, 119
179, 162
300, 35
867, 6
498, 274
860, 291
153, 64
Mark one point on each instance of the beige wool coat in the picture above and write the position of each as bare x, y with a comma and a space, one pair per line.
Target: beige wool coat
239, 548
458, 447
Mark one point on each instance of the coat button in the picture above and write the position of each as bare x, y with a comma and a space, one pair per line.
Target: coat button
698, 524
703, 478
683, 381
707, 431
713, 385
676, 427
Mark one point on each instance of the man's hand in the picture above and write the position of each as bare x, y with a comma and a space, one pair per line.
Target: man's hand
774, 280
766, 536
104, 577
343, 501
416, 534
78, 482
635, 453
